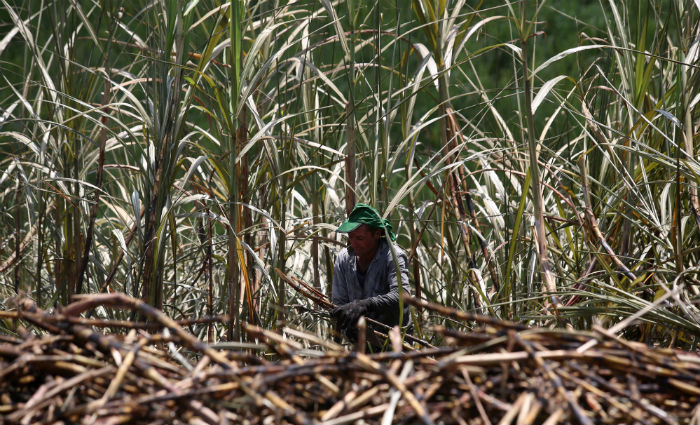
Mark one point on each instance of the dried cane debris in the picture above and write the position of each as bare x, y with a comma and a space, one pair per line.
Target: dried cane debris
68, 371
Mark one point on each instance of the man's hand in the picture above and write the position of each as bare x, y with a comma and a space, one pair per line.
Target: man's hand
347, 315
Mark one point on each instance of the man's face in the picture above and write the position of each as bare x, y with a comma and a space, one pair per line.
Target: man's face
364, 241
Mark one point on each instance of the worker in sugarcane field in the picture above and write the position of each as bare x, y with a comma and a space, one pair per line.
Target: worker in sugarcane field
367, 275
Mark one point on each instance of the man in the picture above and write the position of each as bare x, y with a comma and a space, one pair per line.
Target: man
365, 280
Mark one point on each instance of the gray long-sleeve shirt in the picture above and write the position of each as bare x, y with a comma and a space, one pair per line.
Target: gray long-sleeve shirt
380, 284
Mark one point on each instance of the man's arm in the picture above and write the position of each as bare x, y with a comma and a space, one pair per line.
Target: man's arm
339, 289
391, 298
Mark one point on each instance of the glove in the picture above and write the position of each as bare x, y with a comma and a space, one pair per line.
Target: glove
347, 315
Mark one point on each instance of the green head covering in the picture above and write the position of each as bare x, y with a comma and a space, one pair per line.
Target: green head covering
364, 214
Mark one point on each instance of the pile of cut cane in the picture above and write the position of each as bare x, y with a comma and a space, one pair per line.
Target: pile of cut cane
64, 368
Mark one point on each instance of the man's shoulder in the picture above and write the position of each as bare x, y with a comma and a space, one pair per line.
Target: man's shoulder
343, 255
385, 249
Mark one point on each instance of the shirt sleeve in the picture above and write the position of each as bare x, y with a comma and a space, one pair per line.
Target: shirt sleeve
339, 289
391, 298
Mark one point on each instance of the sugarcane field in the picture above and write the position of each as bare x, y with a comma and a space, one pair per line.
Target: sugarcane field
470, 212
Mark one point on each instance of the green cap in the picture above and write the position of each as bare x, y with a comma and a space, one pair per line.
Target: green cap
364, 214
